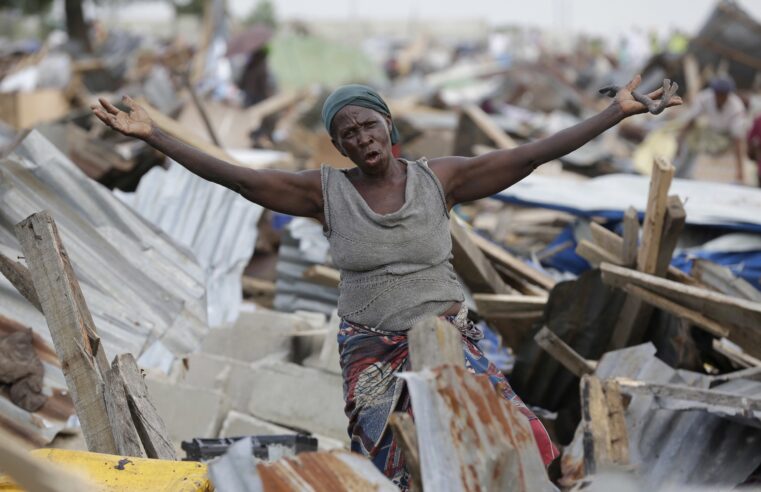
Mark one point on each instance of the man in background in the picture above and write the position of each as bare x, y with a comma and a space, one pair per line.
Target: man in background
714, 124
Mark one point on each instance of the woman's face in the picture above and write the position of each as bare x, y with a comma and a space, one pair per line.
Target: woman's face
363, 135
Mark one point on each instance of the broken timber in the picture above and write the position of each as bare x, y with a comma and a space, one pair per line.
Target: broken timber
71, 327
18, 275
147, 421
323, 275
500, 256
606, 440
740, 316
563, 353
127, 441
472, 265
509, 306
406, 436
635, 315
681, 397
434, 342
475, 127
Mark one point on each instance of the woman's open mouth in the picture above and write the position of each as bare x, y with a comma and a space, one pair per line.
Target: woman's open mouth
372, 157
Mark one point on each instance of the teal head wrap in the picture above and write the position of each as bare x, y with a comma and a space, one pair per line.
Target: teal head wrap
355, 95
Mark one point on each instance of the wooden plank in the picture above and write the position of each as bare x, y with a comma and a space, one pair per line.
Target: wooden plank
497, 254
475, 127
605, 438
655, 215
257, 287
519, 283
752, 373
635, 315
630, 239
595, 255
434, 342
406, 436
607, 240
618, 436
18, 275
563, 353
472, 265
35, 474
77, 344
323, 275
664, 304
125, 435
707, 399
742, 317
183, 134
672, 228
509, 306
734, 353
150, 427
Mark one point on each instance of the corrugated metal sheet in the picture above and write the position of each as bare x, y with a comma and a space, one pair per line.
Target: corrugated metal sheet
668, 447
330, 471
302, 245
706, 203
142, 289
469, 438
40, 427
216, 224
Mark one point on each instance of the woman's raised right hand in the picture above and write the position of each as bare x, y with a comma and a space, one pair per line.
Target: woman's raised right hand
136, 123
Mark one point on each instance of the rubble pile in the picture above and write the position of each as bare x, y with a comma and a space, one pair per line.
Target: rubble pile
148, 314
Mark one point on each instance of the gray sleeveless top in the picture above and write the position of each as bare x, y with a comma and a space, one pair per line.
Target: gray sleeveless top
395, 268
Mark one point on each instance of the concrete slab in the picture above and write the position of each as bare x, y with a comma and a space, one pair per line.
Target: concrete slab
300, 397
255, 335
214, 372
187, 411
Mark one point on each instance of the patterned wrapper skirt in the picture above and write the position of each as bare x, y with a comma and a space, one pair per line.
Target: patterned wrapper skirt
370, 359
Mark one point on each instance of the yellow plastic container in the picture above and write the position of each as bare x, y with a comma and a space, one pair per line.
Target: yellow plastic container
110, 473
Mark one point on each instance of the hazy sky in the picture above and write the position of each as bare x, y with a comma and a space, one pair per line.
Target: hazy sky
606, 17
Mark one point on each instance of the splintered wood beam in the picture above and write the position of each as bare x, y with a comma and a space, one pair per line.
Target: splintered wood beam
472, 265
742, 317
500, 256
630, 238
434, 342
127, 440
323, 275
150, 427
18, 275
509, 306
606, 440
76, 341
563, 353
404, 430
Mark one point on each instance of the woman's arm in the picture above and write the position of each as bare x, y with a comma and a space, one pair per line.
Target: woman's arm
466, 179
287, 192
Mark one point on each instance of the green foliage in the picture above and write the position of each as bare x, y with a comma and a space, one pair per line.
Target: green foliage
263, 13
189, 7
27, 7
